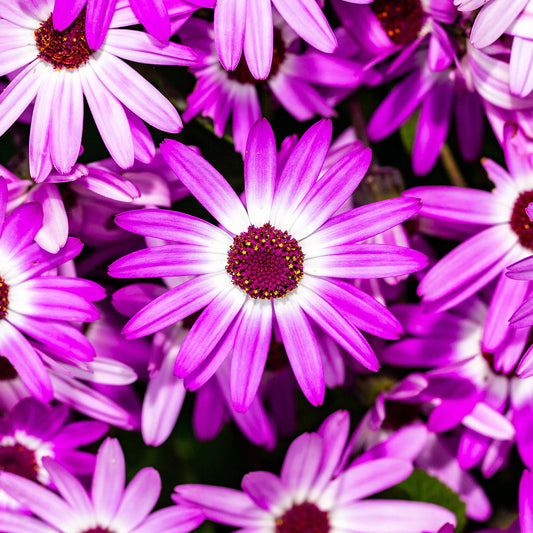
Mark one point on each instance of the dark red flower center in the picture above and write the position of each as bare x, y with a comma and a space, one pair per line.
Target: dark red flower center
98, 529
402, 20
63, 49
7, 372
243, 75
265, 262
4, 302
399, 414
303, 518
520, 222
17, 459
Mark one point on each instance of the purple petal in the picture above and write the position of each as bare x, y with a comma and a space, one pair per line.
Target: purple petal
108, 480
65, 11
174, 305
230, 20
267, 491
250, 352
258, 38
98, 19
301, 347
260, 172
153, 16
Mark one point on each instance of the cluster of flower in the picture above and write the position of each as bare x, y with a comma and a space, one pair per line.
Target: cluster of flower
299, 283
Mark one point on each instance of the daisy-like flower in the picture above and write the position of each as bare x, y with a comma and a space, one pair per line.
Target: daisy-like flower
58, 68
310, 495
37, 303
295, 79
110, 508
248, 26
281, 259
154, 15
32, 431
504, 235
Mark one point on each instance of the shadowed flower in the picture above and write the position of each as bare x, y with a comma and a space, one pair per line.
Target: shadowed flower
58, 68
282, 260
32, 431
311, 495
110, 508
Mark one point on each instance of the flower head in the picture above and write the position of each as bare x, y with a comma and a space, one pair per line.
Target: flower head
281, 259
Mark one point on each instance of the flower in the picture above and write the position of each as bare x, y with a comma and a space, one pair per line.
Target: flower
37, 303
32, 431
295, 79
248, 26
310, 495
278, 260
57, 69
108, 509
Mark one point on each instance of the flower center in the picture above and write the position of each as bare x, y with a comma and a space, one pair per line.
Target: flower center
303, 518
98, 529
401, 19
265, 262
520, 222
18, 460
63, 49
4, 302
7, 372
243, 75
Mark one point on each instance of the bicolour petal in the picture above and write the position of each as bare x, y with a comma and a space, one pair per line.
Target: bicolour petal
21, 354
209, 329
301, 465
179, 519
391, 516
365, 261
67, 120
97, 21
228, 506
467, 261
174, 305
258, 38
260, 172
108, 480
301, 347
300, 173
137, 94
230, 20
15, 523
267, 491
250, 352
138, 500
207, 185
103, 104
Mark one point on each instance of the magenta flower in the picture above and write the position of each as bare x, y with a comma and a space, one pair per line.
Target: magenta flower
154, 15
310, 495
503, 235
37, 303
295, 79
57, 69
110, 508
282, 259
248, 26
33, 431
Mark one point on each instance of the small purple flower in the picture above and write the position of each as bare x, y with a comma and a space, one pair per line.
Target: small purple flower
279, 260
109, 508
32, 431
311, 495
